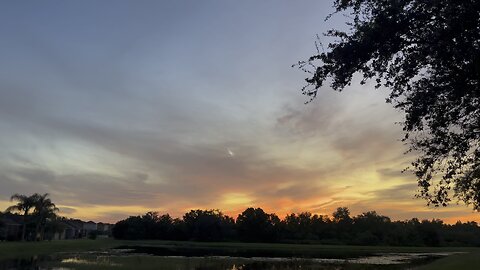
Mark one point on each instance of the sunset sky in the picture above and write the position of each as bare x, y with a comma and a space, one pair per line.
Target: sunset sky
117, 108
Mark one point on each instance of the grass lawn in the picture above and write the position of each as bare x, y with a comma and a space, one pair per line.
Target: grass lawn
12, 250
467, 261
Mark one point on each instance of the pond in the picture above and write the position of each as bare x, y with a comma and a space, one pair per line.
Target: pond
132, 259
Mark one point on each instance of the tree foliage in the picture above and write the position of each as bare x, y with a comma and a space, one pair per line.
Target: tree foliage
428, 54
43, 211
23, 206
208, 225
255, 225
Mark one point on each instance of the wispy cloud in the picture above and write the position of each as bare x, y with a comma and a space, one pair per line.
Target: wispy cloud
130, 108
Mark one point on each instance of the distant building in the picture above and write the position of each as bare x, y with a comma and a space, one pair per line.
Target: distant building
71, 229
74, 229
11, 227
103, 227
89, 226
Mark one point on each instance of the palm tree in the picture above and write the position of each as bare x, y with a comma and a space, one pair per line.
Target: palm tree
45, 210
24, 205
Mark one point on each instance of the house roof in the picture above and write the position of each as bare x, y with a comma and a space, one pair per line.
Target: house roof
67, 224
77, 224
10, 221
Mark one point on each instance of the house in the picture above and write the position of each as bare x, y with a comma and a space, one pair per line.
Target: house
104, 229
70, 230
11, 227
89, 226
74, 229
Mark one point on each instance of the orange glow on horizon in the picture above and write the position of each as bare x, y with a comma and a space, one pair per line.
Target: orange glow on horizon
102, 213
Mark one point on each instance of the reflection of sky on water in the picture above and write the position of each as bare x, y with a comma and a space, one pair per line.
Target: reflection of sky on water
116, 260
100, 260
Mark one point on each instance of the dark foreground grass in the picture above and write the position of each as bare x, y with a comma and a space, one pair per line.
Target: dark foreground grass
466, 261
14, 250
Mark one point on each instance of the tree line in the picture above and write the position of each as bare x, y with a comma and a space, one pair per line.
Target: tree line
255, 225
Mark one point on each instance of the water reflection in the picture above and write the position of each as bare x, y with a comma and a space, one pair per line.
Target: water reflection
99, 260
125, 260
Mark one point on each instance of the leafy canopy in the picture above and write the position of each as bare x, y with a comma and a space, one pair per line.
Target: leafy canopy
428, 54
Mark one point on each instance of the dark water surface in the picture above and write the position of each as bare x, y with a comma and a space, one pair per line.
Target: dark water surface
139, 259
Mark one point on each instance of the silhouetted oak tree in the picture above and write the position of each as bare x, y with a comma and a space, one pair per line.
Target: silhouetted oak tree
428, 54
254, 224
